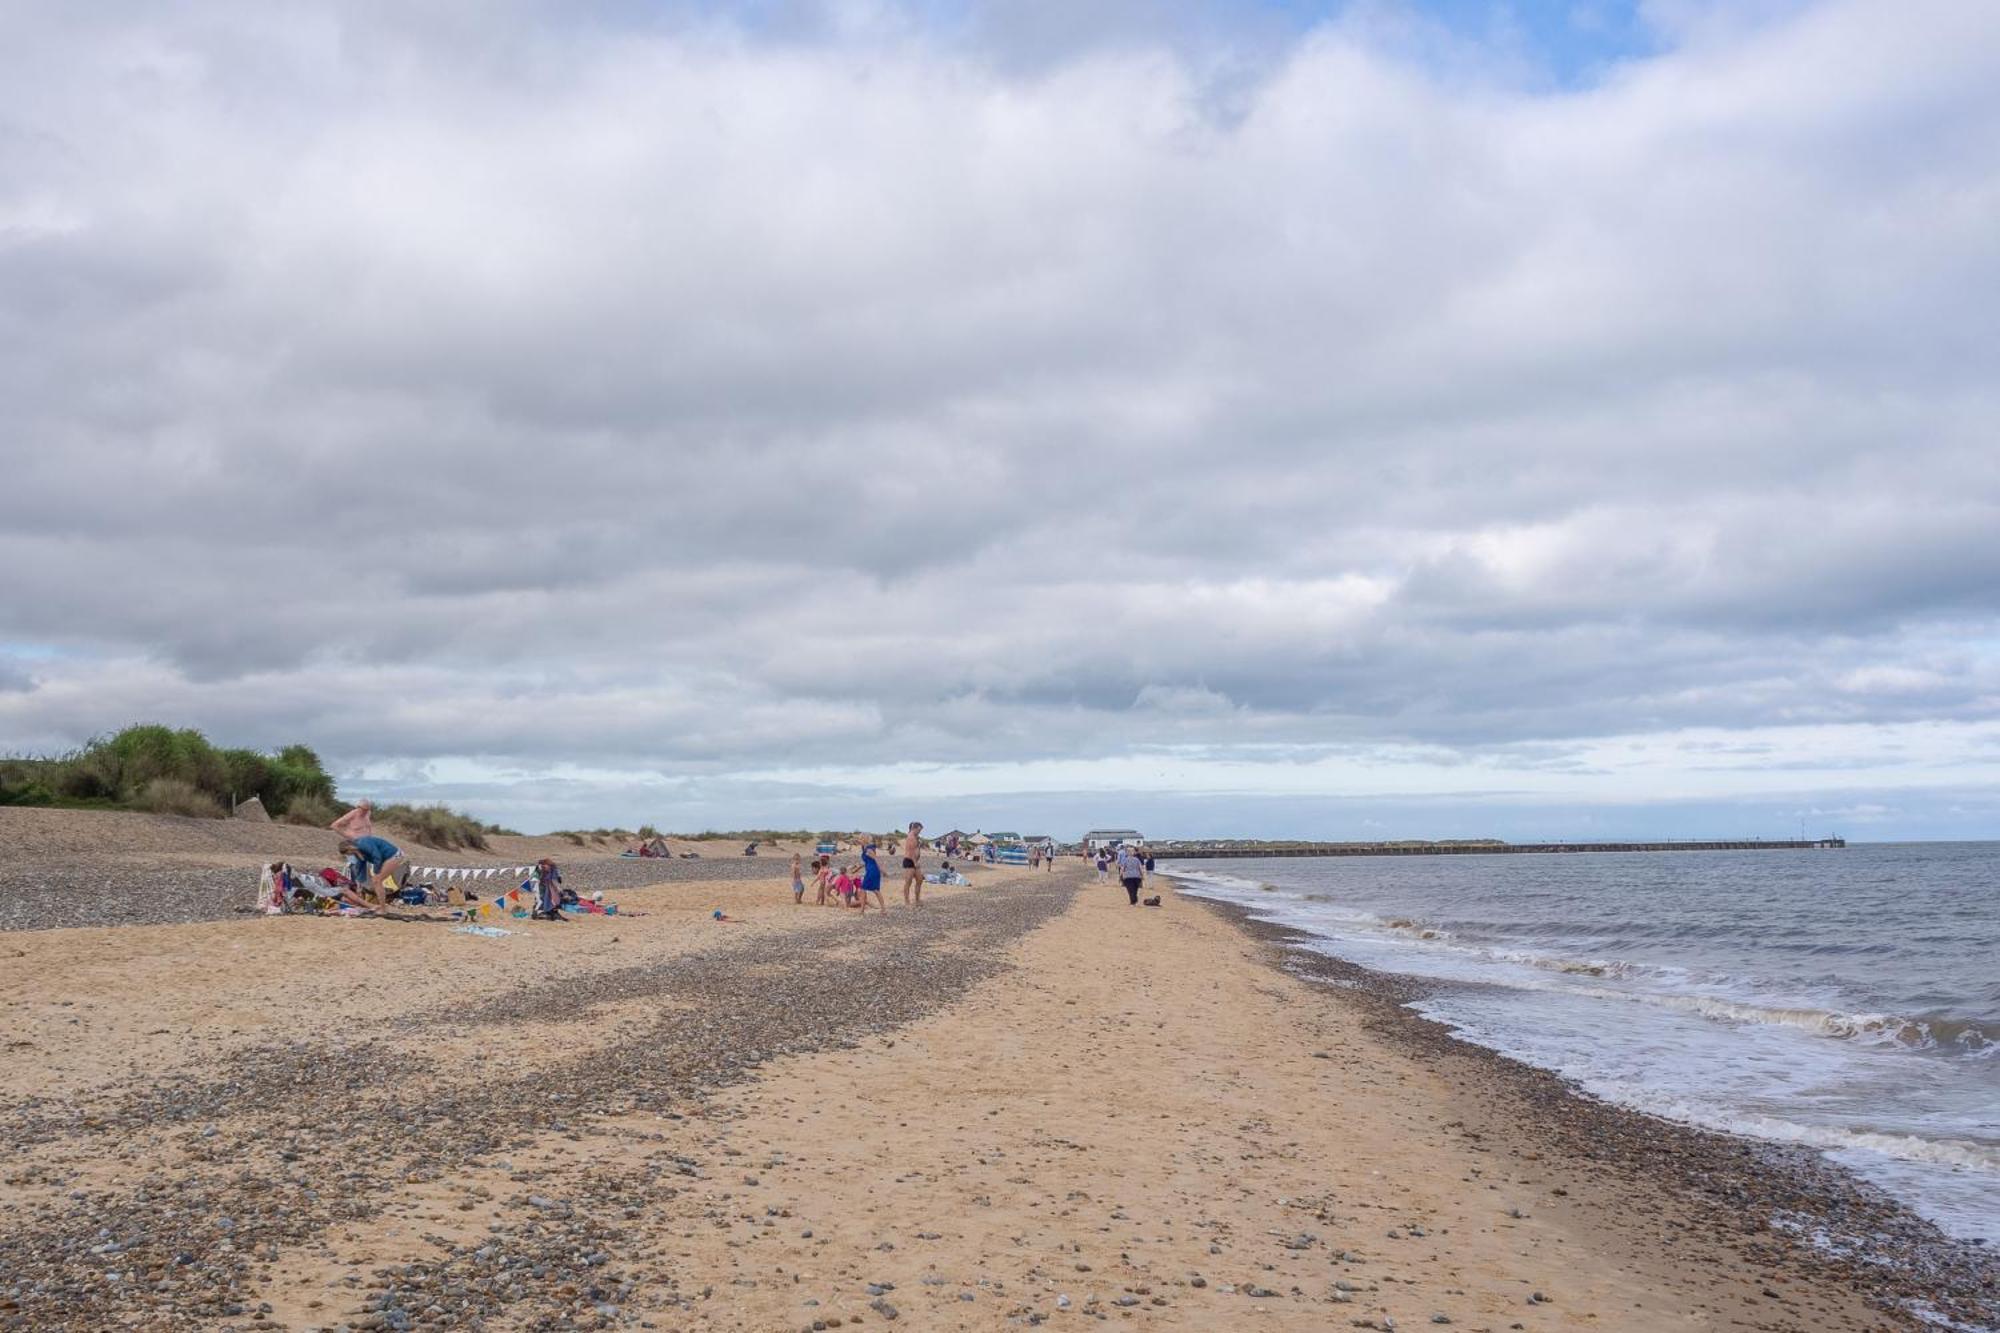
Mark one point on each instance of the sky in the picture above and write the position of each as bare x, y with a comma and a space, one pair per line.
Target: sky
1255, 417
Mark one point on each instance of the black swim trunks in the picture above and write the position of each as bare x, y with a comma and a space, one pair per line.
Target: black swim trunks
908, 864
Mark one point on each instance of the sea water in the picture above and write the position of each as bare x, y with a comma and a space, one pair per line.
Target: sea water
1848, 1000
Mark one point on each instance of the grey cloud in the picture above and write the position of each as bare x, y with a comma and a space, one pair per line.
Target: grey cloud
705, 397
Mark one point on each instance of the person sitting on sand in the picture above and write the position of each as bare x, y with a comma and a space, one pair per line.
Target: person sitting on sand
913, 875
357, 823
871, 877
343, 894
798, 878
372, 862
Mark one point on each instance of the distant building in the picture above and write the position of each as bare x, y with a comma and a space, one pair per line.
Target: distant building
1111, 837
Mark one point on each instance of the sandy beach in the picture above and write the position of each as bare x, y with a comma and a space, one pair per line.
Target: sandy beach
1026, 1103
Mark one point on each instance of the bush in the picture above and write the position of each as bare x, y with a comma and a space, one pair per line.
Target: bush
137, 755
312, 811
175, 796
434, 825
22, 783
159, 768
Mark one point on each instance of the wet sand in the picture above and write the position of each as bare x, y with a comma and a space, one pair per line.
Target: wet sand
1026, 1103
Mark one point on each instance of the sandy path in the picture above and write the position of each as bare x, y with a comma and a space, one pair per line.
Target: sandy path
1137, 1122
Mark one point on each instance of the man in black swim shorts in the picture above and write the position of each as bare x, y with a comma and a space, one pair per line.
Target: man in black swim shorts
913, 875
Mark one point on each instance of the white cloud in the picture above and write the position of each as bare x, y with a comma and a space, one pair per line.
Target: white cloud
528, 389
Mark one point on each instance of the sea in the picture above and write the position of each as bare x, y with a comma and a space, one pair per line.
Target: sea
1843, 999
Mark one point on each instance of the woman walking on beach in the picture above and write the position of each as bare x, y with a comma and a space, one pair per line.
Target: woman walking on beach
1131, 873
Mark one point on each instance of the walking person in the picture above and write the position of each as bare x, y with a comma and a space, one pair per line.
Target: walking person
798, 878
1131, 873
913, 875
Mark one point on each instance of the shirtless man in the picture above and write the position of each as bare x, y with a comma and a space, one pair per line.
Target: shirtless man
913, 875
357, 823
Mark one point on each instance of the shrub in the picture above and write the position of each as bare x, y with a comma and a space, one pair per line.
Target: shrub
434, 825
312, 811
247, 773
137, 755
22, 782
176, 796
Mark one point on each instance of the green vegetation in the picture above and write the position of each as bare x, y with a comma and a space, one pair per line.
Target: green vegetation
583, 837
435, 826
157, 768
169, 772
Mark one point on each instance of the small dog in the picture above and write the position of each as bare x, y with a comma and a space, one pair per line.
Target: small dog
1153, 901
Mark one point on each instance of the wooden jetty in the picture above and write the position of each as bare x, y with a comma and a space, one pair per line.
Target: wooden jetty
1213, 852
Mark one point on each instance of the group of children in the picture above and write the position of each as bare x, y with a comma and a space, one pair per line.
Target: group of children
842, 886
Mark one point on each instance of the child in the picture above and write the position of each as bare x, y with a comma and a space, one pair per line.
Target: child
871, 878
822, 876
798, 879
843, 885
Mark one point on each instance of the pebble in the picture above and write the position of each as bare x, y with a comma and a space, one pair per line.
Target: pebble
550, 1260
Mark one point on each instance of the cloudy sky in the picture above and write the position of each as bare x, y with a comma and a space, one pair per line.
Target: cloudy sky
1412, 417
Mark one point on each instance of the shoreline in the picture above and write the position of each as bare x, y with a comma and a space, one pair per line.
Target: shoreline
1793, 1208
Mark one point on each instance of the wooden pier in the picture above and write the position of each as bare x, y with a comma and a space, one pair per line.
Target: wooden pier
1209, 853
